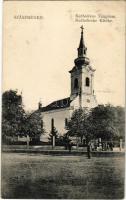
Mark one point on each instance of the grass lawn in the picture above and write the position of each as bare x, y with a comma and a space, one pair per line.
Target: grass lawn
38, 176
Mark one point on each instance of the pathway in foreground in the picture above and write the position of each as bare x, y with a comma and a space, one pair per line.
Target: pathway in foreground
45, 176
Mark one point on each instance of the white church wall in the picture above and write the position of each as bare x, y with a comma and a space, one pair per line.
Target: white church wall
59, 117
89, 101
87, 89
75, 103
76, 75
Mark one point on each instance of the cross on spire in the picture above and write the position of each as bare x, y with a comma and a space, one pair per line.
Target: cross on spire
82, 49
82, 27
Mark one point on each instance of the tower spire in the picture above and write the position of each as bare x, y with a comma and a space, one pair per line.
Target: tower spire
82, 49
82, 59
82, 39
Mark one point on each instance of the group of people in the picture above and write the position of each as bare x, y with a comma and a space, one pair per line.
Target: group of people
102, 146
93, 146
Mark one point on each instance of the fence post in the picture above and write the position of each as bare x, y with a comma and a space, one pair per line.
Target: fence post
28, 139
120, 145
77, 141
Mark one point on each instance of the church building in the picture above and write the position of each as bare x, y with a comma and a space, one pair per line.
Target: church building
81, 96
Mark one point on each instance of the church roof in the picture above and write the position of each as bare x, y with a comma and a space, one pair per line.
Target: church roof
80, 67
62, 103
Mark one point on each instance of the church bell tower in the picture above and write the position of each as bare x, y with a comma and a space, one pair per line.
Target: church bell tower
82, 78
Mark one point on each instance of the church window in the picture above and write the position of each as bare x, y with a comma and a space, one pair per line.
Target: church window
87, 81
76, 83
66, 121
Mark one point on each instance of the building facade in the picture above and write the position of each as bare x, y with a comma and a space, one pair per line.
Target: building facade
81, 96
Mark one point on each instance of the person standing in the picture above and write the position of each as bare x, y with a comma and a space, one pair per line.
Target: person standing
69, 146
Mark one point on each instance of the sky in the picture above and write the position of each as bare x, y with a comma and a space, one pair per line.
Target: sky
38, 53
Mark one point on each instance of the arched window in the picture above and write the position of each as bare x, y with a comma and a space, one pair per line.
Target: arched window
87, 81
76, 83
66, 122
